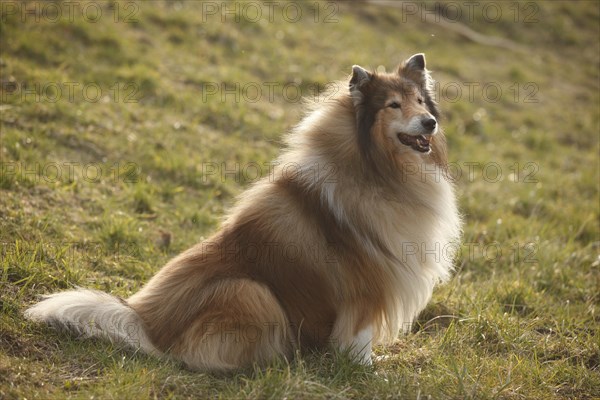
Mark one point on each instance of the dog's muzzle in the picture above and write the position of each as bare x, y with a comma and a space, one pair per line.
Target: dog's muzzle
422, 142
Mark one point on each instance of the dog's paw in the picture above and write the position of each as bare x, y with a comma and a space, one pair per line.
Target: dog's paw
380, 358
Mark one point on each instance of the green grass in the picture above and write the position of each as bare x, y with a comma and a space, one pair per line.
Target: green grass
90, 189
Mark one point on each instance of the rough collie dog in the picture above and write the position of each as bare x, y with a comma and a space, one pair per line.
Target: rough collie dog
340, 246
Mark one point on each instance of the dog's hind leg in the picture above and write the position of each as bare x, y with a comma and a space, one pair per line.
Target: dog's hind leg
240, 324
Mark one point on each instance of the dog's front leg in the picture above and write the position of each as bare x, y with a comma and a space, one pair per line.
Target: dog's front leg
359, 345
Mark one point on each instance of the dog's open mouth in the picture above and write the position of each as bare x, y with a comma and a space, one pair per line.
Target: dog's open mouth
419, 143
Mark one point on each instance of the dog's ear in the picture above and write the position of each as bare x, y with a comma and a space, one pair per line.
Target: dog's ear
360, 76
416, 62
414, 69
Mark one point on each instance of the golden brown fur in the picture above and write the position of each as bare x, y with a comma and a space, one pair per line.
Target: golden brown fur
315, 254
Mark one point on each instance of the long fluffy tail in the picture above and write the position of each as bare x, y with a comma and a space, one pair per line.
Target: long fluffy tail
93, 314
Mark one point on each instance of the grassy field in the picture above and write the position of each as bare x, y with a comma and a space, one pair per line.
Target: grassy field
128, 128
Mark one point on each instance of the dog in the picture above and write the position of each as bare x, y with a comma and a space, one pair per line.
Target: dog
332, 249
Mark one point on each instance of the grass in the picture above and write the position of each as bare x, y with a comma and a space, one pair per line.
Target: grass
100, 186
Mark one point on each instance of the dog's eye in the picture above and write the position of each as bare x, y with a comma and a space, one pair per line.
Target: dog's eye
420, 101
395, 104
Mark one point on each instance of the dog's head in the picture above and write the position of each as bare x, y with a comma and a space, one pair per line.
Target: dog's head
397, 114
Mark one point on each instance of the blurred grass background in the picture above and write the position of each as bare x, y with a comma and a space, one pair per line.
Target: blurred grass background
127, 128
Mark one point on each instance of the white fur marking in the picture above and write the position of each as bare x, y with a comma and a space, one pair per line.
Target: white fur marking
361, 345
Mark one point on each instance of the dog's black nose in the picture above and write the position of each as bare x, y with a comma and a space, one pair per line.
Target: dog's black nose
429, 123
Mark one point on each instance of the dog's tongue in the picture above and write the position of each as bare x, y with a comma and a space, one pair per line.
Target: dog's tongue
421, 144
